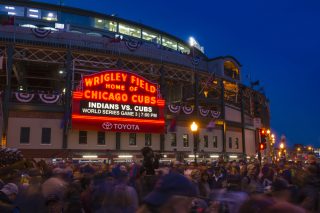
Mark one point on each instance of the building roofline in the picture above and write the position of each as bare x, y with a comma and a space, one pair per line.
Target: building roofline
80, 11
226, 57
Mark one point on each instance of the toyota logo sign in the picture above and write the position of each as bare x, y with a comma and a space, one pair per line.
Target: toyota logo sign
107, 125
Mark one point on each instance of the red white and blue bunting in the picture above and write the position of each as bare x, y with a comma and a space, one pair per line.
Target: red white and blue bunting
187, 110
24, 97
195, 60
190, 109
203, 112
215, 114
49, 98
174, 108
132, 45
40, 33
45, 98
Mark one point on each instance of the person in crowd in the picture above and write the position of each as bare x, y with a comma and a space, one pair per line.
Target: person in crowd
115, 195
172, 193
280, 190
72, 199
195, 177
267, 177
86, 194
125, 197
233, 177
218, 180
204, 187
180, 187
1, 184
8, 195
253, 184
309, 193
30, 198
54, 190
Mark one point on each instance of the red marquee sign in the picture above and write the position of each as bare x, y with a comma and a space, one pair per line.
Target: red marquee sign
119, 101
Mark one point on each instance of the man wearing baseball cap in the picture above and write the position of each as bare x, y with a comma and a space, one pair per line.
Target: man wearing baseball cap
173, 193
8, 195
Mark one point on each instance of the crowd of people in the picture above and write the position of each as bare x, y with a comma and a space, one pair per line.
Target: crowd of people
224, 187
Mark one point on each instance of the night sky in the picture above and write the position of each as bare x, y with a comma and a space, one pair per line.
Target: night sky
277, 42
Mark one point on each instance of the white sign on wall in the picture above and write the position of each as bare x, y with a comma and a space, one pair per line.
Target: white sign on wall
257, 123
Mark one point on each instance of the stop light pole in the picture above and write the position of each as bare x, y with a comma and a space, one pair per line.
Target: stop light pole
262, 142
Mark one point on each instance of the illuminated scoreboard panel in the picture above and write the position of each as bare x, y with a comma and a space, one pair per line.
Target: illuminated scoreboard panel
118, 101
118, 110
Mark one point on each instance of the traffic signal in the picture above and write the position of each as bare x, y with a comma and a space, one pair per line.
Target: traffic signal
262, 146
263, 136
263, 139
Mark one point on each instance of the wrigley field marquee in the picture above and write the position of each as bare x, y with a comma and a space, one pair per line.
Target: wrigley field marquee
118, 101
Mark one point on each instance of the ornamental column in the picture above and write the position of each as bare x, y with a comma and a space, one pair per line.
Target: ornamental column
242, 122
223, 116
7, 93
67, 98
163, 91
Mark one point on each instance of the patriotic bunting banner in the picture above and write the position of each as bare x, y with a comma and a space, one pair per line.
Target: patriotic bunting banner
203, 112
24, 97
49, 99
40, 33
187, 110
173, 108
132, 45
215, 114
45, 98
195, 60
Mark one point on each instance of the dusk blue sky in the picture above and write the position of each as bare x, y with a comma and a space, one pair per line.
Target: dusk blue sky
276, 41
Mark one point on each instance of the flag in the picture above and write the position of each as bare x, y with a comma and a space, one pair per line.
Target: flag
65, 120
255, 83
211, 125
173, 124
6, 20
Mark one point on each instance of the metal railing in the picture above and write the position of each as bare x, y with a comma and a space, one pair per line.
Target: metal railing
106, 44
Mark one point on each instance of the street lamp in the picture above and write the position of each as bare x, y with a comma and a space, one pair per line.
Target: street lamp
281, 145
194, 129
282, 149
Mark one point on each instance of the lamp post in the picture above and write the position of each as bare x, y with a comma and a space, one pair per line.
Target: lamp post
282, 149
194, 129
281, 145
273, 138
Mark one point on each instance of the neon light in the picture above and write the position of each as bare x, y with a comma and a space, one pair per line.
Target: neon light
138, 99
118, 97
105, 78
142, 84
120, 77
143, 99
106, 96
103, 118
